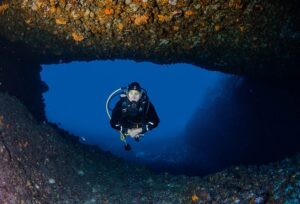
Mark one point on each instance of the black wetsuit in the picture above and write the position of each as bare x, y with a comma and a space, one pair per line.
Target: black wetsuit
127, 115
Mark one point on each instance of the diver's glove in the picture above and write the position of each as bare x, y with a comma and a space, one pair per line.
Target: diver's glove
135, 132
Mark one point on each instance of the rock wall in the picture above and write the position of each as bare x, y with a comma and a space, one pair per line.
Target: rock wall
248, 37
20, 76
39, 164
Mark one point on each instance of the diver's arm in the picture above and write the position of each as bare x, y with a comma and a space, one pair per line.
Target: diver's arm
152, 120
116, 118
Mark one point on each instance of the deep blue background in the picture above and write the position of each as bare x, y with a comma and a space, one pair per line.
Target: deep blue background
78, 92
209, 120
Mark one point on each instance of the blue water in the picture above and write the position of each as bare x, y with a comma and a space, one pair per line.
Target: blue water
209, 120
78, 92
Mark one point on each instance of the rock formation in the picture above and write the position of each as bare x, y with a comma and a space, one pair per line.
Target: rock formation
39, 164
248, 37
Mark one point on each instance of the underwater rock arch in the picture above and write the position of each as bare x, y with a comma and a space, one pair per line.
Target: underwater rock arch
247, 37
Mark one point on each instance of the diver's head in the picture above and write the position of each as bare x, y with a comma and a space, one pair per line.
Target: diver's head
134, 92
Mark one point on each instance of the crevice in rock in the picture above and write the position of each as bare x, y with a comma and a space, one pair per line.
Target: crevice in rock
19, 76
5, 146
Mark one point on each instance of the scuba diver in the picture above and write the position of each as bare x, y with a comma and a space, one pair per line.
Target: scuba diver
134, 114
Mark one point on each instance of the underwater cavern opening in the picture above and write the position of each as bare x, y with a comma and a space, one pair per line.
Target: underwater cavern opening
231, 120
209, 120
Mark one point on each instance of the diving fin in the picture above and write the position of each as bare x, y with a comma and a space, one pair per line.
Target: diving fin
127, 147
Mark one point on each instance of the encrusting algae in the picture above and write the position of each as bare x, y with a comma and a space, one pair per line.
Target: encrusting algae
188, 13
77, 36
3, 7
157, 30
84, 19
195, 198
163, 18
61, 21
109, 11
140, 20
218, 28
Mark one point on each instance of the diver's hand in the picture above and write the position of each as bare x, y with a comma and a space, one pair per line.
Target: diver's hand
135, 133
131, 133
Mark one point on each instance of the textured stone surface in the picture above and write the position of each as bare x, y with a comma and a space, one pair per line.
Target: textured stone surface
39, 164
250, 37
